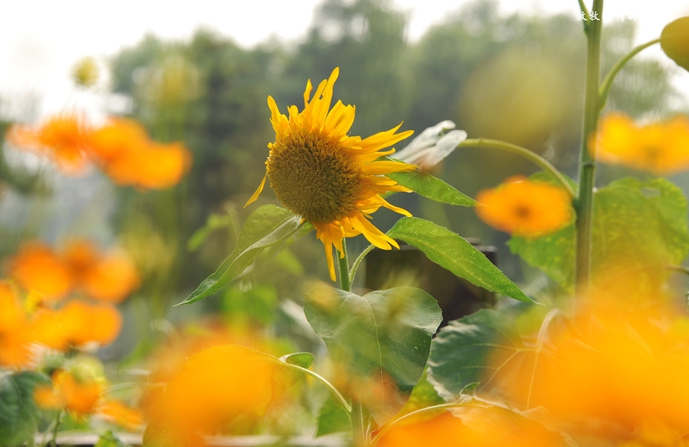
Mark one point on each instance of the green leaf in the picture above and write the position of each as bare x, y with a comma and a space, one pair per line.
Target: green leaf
19, 415
265, 227
110, 440
641, 223
452, 252
332, 418
461, 351
553, 254
674, 40
424, 395
382, 338
302, 359
431, 187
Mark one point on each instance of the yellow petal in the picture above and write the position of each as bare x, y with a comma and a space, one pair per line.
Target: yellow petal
257, 192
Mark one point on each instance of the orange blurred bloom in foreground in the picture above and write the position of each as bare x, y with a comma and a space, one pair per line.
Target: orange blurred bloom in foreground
70, 393
62, 138
661, 148
472, 427
124, 152
525, 208
39, 269
622, 374
210, 389
116, 412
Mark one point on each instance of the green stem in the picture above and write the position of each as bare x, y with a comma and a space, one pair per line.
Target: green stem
587, 164
386, 428
524, 153
587, 16
330, 386
358, 428
357, 261
356, 413
56, 428
607, 82
343, 265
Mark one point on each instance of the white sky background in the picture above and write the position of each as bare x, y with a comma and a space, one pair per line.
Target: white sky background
40, 40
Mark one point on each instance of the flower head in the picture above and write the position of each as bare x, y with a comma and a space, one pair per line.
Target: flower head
331, 179
525, 208
661, 148
62, 137
125, 153
85, 72
76, 394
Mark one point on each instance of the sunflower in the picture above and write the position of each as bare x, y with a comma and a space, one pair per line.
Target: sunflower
331, 179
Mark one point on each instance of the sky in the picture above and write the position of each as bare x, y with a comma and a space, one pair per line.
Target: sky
40, 40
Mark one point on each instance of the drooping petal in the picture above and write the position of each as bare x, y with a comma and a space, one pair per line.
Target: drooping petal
257, 193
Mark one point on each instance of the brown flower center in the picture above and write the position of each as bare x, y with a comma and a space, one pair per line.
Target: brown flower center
314, 177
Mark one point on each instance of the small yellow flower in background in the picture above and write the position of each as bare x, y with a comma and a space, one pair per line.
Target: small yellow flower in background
661, 148
330, 179
85, 72
525, 208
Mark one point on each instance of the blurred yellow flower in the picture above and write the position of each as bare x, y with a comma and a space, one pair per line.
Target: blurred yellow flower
661, 148
62, 138
330, 179
85, 72
525, 208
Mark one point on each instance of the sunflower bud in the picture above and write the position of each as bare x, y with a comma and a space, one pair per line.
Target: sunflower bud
674, 40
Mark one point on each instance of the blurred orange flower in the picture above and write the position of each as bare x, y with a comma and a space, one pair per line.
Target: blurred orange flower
121, 148
85, 323
77, 395
76, 324
129, 158
525, 208
61, 137
39, 269
472, 426
211, 388
661, 148
625, 377
15, 342
116, 412
109, 277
